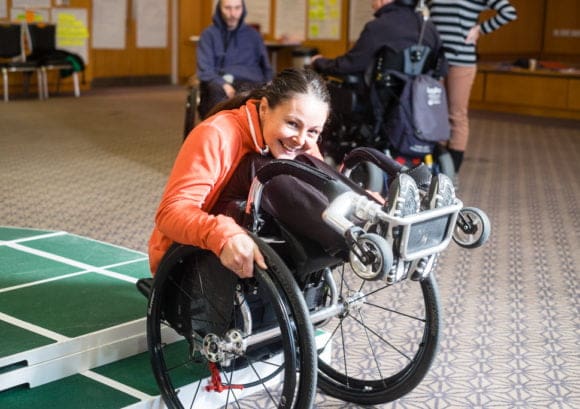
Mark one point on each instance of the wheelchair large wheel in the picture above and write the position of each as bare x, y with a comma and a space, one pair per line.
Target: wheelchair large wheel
383, 343
209, 351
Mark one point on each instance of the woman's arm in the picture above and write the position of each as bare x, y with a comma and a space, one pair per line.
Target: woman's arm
200, 171
505, 13
197, 178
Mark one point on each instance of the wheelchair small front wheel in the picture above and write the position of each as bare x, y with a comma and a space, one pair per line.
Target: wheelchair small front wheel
379, 254
472, 228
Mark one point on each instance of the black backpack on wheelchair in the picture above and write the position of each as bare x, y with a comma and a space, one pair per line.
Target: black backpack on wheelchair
398, 106
409, 107
369, 109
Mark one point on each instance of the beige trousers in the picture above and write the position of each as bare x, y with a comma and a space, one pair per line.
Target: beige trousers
458, 84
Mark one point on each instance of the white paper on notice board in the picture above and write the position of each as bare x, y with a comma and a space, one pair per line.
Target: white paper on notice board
291, 19
109, 19
324, 17
3, 9
360, 14
259, 13
39, 15
30, 4
151, 16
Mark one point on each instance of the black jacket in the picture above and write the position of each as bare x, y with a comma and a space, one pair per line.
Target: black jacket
395, 26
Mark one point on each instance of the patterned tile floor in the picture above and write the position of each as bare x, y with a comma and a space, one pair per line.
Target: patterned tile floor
511, 308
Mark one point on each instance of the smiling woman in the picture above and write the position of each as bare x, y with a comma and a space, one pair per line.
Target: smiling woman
218, 159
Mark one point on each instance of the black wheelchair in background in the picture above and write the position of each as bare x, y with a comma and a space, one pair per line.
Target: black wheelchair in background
192, 99
363, 106
362, 325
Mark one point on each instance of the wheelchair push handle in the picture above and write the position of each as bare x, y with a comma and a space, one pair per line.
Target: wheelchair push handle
374, 156
308, 174
328, 185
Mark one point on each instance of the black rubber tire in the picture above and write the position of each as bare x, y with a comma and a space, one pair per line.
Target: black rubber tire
479, 231
173, 366
369, 176
394, 331
383, 256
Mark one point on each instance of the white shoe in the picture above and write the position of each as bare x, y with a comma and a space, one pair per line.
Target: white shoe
441, 192
403, 197
402, 200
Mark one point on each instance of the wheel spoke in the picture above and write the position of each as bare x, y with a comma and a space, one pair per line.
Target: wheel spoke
376, 334
395, 333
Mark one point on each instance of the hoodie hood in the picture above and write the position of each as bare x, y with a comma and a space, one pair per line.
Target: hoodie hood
219, 21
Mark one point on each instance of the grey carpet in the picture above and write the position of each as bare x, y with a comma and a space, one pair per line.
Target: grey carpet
96, 166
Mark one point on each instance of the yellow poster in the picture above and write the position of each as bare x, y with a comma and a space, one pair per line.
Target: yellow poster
324, 19
70, 31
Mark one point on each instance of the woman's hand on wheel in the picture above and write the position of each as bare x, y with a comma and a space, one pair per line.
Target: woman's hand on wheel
239, 254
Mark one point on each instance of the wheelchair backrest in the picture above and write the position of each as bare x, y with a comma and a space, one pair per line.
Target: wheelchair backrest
412, 61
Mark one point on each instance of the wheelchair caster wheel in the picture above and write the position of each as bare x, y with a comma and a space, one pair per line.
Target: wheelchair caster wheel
380, 254
472, 228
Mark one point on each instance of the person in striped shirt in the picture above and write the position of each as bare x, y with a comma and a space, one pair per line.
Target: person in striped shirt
458, 24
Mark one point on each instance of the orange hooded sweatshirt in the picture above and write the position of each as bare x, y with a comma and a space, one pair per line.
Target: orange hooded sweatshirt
202, 169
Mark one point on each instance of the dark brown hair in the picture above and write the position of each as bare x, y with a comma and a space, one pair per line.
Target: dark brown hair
287, 84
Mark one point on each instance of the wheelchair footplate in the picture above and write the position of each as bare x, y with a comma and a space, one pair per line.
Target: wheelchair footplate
392, 247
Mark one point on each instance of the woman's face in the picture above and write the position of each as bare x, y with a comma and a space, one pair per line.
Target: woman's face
292, 127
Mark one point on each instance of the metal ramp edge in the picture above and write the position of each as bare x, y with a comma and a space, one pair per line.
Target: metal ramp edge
64, 358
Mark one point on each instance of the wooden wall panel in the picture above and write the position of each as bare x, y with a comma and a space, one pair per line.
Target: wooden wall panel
574, 94
190, 23
562, 30
478, 87
527, 90
522, 37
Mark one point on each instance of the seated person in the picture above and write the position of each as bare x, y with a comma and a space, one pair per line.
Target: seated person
282, 120
396, 26
231, 56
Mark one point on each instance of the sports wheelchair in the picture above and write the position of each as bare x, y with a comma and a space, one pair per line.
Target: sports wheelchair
362, 325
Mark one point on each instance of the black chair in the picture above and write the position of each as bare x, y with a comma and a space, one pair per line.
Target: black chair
13, 58
48, 57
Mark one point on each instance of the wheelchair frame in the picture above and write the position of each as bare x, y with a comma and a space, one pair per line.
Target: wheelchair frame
263, 341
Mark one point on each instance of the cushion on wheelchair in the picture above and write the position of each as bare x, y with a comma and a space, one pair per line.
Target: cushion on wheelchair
202, 293
302, 256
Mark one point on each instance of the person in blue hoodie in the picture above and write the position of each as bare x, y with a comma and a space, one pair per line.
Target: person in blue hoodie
231, 56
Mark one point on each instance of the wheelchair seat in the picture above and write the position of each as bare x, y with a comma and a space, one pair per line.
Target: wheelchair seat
302, 255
